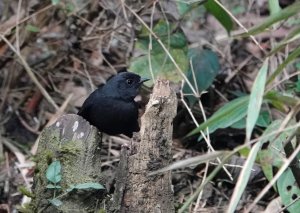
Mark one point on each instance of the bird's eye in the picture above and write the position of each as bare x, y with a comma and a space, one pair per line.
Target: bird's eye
129, 81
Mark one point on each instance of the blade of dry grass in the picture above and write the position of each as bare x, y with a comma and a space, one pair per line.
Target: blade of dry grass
30, 73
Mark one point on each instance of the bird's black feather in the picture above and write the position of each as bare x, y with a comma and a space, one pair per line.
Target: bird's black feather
111, 107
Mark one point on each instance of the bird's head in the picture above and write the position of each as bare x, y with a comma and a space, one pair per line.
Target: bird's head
127, 84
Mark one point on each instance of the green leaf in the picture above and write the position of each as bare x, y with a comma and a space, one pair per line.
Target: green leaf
55, 2
287, 190
282, 15
227, 115
292, 56
264, 119
274, 6
32, 28
206, 66
56, 202
297, 84
256, 99
240, 124
53, 172
220, 14
161, 65
89, 185
70, 7
280, 101
169, 33
183, 7
269, 157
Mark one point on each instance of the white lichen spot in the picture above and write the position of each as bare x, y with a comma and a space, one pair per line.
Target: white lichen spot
155, 102
75, 126
81, 134
57, 124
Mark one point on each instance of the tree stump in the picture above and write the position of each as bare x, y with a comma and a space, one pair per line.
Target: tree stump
76, 145
135, 190
73, 142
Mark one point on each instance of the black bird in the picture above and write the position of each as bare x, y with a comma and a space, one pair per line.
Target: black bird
111, 108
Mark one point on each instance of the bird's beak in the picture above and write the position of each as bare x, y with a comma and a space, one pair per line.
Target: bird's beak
142, 80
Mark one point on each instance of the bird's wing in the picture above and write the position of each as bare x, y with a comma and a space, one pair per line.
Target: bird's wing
84, 111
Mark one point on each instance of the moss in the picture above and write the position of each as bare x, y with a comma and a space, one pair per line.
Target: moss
70, 148
26, 208
25, 191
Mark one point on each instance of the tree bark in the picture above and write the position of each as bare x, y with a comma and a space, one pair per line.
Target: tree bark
135, 190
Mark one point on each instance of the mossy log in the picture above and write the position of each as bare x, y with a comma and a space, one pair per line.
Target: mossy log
135, 190
73, 142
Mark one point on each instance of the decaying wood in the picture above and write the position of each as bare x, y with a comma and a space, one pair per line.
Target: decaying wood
135, 190
76, 144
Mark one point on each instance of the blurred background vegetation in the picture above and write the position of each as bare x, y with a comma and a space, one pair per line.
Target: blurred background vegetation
233, 64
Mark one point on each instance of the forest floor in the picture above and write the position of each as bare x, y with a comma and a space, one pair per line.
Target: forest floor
53, 56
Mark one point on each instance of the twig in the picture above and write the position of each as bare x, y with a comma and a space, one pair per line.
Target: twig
17, 26
240, 24
30, 73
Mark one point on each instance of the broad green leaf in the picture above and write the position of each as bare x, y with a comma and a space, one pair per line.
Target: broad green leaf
274, 6
183, 7
256, 99
292, 56
263, 120
161, 65
288, 190
174, 40
270, 157
53, 172
168, 33
32, 28
206, 66
227, 115
297, 85
89, 185
282, 15
241, 124
186, 7
56, 202
55, 2
220, 14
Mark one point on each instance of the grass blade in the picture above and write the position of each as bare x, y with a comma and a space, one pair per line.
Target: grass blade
282, 15
256, 99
